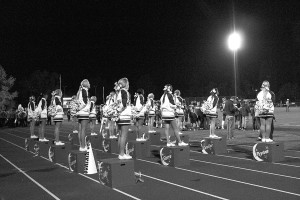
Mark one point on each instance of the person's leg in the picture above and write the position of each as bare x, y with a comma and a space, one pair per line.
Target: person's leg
92, 125
139, 126
111, 128
104, 125
223, 120
212, 126
167, 127
244, 122
227, 127
56, 130
176, 130
263, 128
272, 129
32, 123
268, 122
232, 127
79, 131
82, 132
150, 124
122, 139
42, 129
253, 123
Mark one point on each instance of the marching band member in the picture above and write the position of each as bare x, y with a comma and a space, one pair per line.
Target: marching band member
31, 116
124, 119
168, 115
151, 112
92, 115
140, 110
83, 113
265, 106
210, 109
42, 112
59, 113
179, 109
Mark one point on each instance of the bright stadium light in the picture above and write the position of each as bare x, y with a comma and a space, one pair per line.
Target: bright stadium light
234, 41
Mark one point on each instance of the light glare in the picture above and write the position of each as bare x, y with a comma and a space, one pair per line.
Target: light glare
234, 41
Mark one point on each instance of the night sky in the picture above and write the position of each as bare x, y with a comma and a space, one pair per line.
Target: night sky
182, 42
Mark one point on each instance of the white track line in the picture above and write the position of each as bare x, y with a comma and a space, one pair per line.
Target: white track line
245, 183
133, 197
190, 151
228, 179
181, 186
191, 189
29, 177
247, 159
237, 180
68, 168
258, 171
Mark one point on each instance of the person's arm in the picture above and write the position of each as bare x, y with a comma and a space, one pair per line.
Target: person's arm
92, 106
124, 98
43, 104
84, 96
32, 106
57, 101
171, 99
216, 99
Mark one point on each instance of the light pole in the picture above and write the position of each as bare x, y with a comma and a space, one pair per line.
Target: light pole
234, 43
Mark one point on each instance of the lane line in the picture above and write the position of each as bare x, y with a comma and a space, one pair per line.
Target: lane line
68, 168
30, 178
190, 151
124, 193
242, 168
245, 183
184, 187
187, 188
233, 180
248, 159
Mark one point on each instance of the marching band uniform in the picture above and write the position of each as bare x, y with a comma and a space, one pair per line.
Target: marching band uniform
31, 115
265, 107
168, 115
58, 117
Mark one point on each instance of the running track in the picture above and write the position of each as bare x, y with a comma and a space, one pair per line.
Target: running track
234, 175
